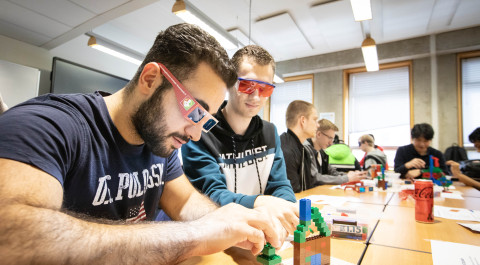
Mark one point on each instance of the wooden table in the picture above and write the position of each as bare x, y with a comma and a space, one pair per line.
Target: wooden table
398, 228
346, 250
466, 190
388, 255
397, 238
472, 203
373, 197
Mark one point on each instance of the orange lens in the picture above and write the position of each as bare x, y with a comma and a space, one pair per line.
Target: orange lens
248, 87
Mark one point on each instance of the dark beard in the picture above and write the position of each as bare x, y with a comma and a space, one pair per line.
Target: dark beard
150, 124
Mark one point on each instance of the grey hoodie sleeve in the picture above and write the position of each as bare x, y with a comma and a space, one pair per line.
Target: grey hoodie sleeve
332, 178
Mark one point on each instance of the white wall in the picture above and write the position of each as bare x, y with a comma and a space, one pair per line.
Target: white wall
18, 83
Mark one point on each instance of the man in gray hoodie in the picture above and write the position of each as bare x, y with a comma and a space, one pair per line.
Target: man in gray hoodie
320, 168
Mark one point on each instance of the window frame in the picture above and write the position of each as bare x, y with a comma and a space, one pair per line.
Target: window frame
346, 91
266, 112
460, 57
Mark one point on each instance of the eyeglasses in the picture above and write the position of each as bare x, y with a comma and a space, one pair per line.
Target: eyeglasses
190, 108
359, 144
248, 86
329, 138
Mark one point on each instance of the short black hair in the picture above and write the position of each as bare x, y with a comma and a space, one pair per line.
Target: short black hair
424, 130
475, 135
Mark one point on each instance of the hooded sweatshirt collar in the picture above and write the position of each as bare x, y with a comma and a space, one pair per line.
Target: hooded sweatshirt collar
222, 127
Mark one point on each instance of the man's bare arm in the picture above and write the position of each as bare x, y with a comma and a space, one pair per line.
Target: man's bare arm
34, 230
181, 201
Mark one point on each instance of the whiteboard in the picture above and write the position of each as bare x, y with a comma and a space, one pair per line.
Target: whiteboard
18, 83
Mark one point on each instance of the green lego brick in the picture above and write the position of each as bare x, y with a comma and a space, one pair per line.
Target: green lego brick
299, 236
268, 250
265, 260
328, 232
302, 228
307, 259
305, 223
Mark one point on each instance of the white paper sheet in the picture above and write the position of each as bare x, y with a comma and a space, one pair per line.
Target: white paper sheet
325, 199
331, 200
448, 253
456, 213
452, 195
435, 187
474, 227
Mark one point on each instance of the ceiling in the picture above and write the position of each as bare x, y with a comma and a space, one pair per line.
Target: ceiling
288, 29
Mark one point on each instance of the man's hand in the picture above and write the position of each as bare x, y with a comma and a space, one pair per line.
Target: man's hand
415, 163
413, 173
235, 225
286, 212
454, 167
356, 175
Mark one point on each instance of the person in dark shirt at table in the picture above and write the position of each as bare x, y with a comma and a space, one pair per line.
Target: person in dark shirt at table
411, 159
464, 177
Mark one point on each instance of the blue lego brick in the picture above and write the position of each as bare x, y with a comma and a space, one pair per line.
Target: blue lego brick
316, 259
305, 206
362, 189
370, 188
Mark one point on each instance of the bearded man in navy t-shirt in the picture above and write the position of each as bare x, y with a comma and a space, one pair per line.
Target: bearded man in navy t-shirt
80, 174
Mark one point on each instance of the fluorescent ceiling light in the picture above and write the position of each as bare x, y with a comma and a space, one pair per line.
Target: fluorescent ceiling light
362, 9
277, 79
188, 13
369, 50
114, 49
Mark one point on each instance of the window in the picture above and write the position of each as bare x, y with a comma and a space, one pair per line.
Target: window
294, 88
378, 103
469, 95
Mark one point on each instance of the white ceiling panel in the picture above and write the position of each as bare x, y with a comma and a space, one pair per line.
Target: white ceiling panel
21, 34
442, 14
405, 18
28, 19
228, 7
280, 35
61, 11
468, 13
99, 6
338, 28
145, 23
241, 37
288, 29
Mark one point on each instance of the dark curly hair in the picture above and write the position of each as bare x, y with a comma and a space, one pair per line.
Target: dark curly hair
181, 48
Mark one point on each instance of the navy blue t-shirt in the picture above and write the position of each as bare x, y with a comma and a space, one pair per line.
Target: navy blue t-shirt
73, 138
